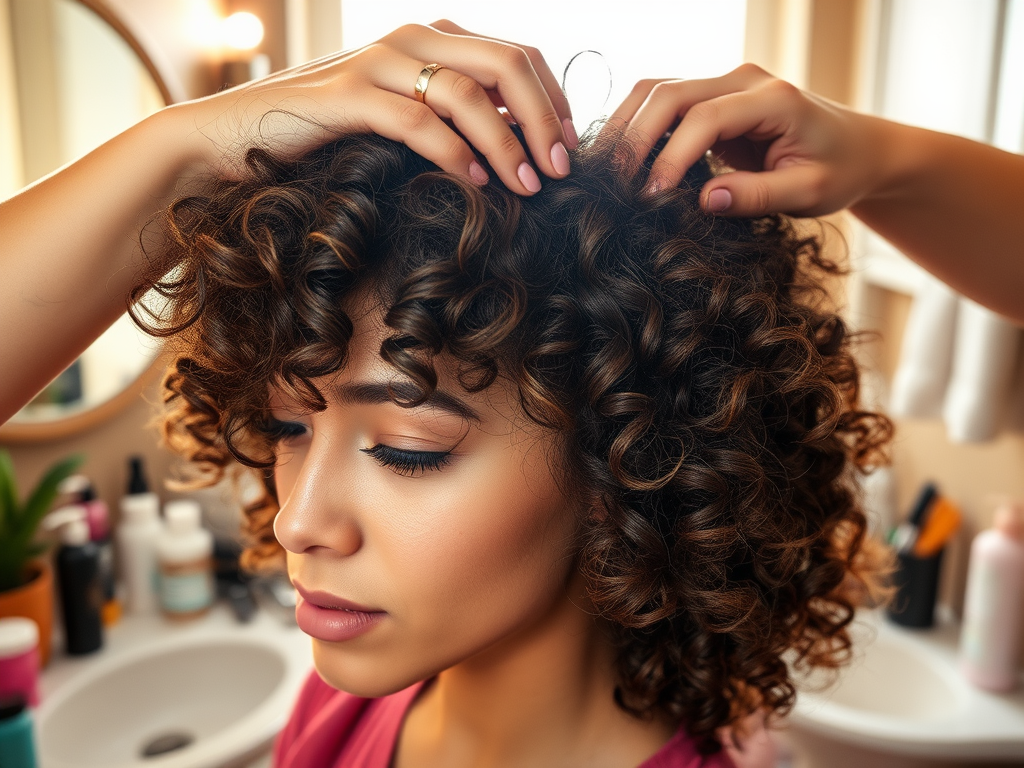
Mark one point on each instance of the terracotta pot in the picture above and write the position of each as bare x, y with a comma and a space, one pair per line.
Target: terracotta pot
34, 601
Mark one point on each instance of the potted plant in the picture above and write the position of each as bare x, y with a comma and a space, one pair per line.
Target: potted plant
26, 580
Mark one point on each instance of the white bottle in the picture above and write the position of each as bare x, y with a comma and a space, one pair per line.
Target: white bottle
137, 534
993, 606
185, 556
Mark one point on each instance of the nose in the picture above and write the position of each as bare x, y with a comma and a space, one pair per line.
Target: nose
316, 512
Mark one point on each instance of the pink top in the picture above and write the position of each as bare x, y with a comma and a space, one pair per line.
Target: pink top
333, 729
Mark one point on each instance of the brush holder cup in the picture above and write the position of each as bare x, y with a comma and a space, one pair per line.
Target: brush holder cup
917, 584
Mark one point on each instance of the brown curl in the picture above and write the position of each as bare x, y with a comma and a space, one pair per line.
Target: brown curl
705, 400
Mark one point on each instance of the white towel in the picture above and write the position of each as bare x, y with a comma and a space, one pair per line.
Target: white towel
919, 386
983, 366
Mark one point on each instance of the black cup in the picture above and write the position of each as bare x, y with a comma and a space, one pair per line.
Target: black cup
917, 584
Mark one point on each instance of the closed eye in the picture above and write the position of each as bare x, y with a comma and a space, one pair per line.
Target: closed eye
408, 463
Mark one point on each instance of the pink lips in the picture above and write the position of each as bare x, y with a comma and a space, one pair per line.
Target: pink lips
332, 619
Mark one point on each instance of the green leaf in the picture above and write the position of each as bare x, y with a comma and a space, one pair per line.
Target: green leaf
8, 495
42, 497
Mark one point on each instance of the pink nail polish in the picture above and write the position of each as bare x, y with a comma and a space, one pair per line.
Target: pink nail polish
570, 133
529, 177
719, 200
477, 173
560, 159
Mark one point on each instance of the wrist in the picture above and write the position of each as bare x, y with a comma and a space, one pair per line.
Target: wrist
191, 157
900, 158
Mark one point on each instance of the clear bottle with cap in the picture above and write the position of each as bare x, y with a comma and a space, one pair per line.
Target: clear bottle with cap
993, 607
137, 534
185, 555
79, 580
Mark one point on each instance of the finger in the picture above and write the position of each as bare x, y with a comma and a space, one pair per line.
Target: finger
463, 100
460, 98
507, 69
620, 118
792, 189
758, 115
684, 94
540, 65
670, 100
418, 127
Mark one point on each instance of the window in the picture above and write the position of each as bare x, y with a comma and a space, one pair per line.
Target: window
643, 38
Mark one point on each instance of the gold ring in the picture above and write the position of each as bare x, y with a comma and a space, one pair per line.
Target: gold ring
421, 82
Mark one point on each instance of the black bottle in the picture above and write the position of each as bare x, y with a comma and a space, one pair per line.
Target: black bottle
79, 579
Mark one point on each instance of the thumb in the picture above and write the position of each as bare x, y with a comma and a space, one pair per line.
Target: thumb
793, 189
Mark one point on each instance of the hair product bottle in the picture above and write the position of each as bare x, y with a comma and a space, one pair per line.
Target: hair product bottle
137, 535
185, 555
97, 515
17, 747
19, 658
994, 604
79, 581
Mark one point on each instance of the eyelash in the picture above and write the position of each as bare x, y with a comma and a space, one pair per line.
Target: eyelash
406, 463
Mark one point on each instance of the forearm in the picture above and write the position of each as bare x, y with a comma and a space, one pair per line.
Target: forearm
70, 252
954, 206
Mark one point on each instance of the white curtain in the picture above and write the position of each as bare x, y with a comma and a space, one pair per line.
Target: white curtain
12, 175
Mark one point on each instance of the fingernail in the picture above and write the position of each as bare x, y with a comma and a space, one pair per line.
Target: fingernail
654, 186
570, 133
529, 177
477, 173
719, 200
559, 159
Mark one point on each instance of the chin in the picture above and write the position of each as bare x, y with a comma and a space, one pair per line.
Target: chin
361, 676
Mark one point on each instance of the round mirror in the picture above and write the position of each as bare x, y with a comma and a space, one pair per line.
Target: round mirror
71, 77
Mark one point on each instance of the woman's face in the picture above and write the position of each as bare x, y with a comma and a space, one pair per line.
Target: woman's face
445, 520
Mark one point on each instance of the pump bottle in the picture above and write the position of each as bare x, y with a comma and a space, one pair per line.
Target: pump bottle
994, 603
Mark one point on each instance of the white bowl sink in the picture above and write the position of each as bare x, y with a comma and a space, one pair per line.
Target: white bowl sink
213, 695
904, 697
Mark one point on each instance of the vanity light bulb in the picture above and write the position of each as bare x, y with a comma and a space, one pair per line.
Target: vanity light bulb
242, 31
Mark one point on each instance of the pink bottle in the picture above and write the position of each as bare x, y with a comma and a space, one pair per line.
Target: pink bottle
19, 658
993, 607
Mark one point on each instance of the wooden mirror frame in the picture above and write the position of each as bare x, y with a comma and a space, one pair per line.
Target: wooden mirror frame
57, 429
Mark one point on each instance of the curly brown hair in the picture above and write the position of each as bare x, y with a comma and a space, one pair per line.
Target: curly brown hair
703, 395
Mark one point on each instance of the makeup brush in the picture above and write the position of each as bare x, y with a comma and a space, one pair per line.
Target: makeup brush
942, 522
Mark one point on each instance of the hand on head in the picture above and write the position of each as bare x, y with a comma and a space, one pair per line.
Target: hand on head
371, 90
793, 152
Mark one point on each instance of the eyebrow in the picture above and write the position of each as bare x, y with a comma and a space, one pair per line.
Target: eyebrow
367, 393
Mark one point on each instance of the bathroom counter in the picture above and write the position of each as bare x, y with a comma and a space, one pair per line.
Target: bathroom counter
206, 693
903, 694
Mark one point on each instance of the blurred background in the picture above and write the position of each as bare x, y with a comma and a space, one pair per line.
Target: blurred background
76, 72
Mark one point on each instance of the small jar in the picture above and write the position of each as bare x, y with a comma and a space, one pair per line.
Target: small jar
184, 553
17, 743
19, 658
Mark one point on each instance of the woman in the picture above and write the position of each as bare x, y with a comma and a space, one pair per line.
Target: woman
582, 636
560, 480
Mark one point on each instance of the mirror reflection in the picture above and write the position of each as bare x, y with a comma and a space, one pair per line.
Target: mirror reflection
70, 83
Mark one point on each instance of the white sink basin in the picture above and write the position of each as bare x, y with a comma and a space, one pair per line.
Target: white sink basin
189, 697
903, 696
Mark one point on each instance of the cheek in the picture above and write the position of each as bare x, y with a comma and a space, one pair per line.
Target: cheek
493, 551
